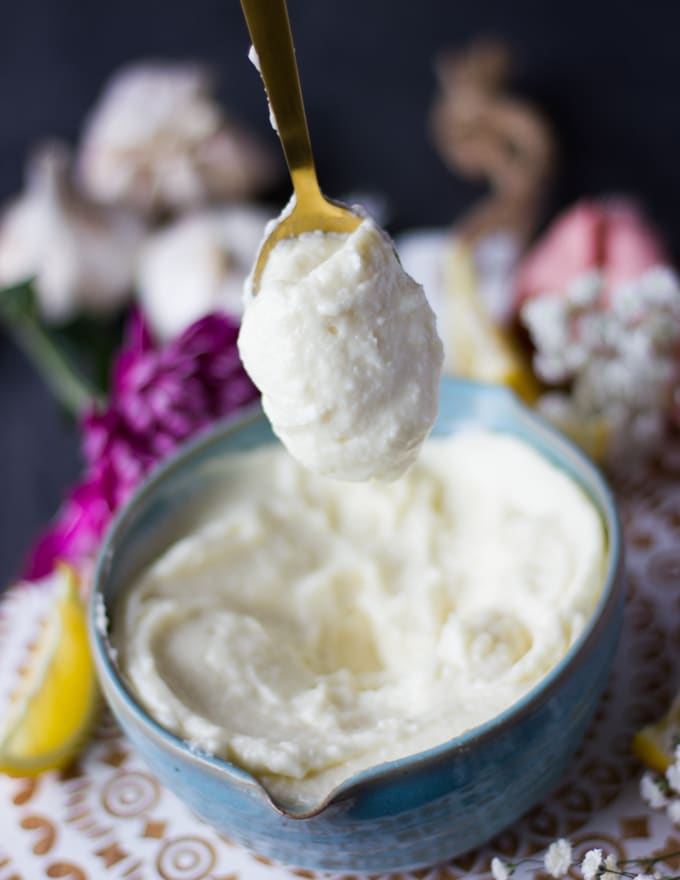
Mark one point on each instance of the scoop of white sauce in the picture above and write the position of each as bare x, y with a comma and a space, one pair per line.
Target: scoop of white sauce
343, 346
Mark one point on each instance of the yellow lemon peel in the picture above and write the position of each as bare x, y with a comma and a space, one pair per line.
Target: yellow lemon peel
54, 705
476, 347
655, 743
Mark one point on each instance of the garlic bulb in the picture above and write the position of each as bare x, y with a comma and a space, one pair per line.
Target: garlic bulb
80, 255
158, 141
198, 265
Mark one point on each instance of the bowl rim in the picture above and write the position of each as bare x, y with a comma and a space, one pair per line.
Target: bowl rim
591, 481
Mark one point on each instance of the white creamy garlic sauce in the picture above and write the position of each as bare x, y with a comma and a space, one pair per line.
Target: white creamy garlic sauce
307, 629
342, 343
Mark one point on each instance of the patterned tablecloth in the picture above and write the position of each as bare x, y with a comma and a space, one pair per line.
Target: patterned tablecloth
107, 818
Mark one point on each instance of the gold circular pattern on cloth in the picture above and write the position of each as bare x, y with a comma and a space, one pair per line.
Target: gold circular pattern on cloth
186, 858
130, 794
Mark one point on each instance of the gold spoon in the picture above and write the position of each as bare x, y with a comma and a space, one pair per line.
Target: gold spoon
272, 40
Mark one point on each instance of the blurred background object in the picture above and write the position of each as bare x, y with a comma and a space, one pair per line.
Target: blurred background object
603, 75
484, 132
198, 264
80, 254
158, 142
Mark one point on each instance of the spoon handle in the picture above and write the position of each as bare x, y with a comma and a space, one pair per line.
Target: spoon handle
270, 33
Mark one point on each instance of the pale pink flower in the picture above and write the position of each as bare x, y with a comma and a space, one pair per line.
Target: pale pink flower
610, 236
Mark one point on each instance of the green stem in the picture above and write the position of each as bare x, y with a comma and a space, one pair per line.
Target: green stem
651, 860
73, 391
19, 314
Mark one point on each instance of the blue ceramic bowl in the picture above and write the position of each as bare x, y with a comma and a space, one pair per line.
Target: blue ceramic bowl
408, 813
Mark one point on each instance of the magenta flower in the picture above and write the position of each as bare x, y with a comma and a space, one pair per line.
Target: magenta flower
160, 397
75, 534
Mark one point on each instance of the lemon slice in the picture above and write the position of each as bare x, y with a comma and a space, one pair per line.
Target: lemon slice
655, 744
476, 347
53, 705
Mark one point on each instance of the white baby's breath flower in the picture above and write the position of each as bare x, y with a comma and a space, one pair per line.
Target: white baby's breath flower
673, 777
612, 871
500, 869
673, 811
644, 877
585, 289
617, 352
558, 858
556, 407
651, 792
551, 368
591, 864
647, 429
547, 319
576, 357
660, 286
627, 305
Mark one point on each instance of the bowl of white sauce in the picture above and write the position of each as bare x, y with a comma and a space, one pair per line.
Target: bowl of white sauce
363, 677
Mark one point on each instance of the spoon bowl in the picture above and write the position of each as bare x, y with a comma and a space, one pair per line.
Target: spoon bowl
269, 29
313, 214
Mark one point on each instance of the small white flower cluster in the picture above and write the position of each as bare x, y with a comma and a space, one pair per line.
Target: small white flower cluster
557, 861
617, 351
663, 792
595, 865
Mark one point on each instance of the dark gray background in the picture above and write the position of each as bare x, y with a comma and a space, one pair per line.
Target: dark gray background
607, 73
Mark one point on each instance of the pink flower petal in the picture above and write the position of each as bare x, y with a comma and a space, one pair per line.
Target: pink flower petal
611, 236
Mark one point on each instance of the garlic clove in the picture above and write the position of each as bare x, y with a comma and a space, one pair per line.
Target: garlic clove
197, 265
80, 255
158, 141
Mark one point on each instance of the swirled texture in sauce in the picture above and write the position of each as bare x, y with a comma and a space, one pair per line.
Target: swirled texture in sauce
309, 628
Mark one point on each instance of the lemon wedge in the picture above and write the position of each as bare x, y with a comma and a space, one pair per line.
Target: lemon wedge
476, 347
53, 706
655, 744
